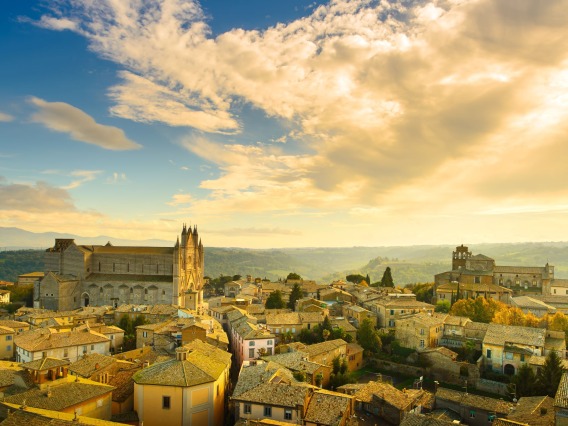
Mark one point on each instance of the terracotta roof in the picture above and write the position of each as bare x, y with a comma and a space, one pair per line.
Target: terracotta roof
290, 318
498, 334
44, 364
475, 401
490, 288
295, 361
31, 416
324, 347
6, 330
280, 394
14, 324
62, 396
327, 408
520, 269
531, 303
388, 393
413, 419
263, 372
43, 339
561, 397
90, 364
199, 367
534, 410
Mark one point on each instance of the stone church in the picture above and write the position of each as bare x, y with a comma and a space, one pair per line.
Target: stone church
97, 275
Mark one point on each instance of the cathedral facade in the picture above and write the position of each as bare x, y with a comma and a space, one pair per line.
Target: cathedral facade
98, 275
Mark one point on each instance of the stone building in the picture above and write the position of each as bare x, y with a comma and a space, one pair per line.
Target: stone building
480, 275
96, 275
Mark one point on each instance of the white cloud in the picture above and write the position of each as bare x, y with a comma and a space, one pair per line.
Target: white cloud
81, 177
385, 95
65, 118
117, 178
6, 118
180, 199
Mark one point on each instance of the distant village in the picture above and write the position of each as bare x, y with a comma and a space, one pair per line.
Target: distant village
138, 336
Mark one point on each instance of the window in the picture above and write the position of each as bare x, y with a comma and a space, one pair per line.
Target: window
251, 343
9, 337
247, 409
509, 355
165, 402
144, 334
488, 353
9, 347
391, 323
392, 311
268, 351
287, 414
472, 414
84, 349
99, 402
44, 354
92, 347
267, 411
251, 353
422, 332
65, 353
522, 357
422, 343
269, 342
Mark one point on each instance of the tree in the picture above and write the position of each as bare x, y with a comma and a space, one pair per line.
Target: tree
368, 279
368, 336
293, 276
236, 277
386, 280
478, 310
548, 377
524, 382
275, 301
295, 295
443, 306
355, 278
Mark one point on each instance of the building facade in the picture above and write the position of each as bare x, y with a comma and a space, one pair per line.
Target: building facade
96, 275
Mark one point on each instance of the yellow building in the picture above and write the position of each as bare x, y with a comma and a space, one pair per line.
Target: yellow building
7, 342
188, 390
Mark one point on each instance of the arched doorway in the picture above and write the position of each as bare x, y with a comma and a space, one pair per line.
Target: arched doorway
509, 370
85, 299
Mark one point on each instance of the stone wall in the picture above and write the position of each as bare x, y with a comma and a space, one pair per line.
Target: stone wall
493, 387
444, 369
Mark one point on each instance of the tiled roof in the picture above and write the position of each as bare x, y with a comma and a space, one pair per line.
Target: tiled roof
199, 367
343, 324
534, 410
31, 416
520, 269
456, 320
90, 364
291, 318
413, 419
43, 339
475, 401
559, 283
254, 375
490, 288
7, 377
561, 397
306, 317
295, 361
62, 396
498, 334
14, 324
123, 383
354, 348
531, 303
44, 364
280, 394
6, 330
388, 393
324, 347
327, 408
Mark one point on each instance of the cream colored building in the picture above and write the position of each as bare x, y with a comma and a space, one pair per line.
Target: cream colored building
189, 390
95, 275
7, 342
69, 345
420, 331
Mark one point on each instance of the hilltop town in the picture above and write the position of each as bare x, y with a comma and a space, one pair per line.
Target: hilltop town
137, 335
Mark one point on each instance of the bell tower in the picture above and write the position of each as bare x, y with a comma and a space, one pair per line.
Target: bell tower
459, 257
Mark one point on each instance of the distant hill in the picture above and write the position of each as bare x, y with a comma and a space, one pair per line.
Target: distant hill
409, 264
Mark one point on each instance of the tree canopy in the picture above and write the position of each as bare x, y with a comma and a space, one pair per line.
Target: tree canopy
548, 377
368, 336
355, 278
275, 301
293, 276
295, 295
386, 280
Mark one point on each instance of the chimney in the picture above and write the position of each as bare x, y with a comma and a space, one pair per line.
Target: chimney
181, 353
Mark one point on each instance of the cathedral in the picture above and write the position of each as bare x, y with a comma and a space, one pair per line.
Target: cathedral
97, 275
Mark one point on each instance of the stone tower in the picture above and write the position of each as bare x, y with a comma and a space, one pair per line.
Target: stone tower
459, 257
188, 268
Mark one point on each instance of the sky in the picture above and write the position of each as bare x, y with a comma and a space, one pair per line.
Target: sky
286, 123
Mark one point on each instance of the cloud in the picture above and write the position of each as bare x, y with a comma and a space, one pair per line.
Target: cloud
6, 118
65, 118
82, 176
180, 199
38, 197
117, 178
244, 232
388, 98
